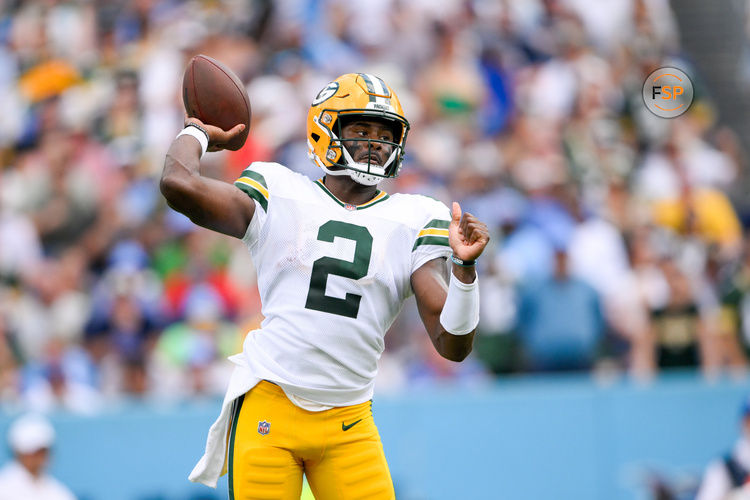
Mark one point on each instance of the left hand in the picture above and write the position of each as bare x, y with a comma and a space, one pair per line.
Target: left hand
467, 235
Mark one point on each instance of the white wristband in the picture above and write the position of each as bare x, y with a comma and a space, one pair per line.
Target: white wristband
200, 135
460, 314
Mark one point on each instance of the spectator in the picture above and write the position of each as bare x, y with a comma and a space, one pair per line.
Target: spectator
641, 289
25, 478
61, 381
728, 476
683, 335
734, 289
190, 356
431, 370
560, 321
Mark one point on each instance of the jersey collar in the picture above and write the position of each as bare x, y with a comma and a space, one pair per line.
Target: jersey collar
379, 196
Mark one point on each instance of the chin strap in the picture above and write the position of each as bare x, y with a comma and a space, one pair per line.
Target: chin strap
359, 171
359, 177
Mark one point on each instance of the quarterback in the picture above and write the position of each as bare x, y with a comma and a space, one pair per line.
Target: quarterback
336, 258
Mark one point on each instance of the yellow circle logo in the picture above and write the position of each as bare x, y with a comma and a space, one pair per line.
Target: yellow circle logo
668, 92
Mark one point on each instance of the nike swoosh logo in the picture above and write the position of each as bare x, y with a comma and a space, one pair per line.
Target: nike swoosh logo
345, 427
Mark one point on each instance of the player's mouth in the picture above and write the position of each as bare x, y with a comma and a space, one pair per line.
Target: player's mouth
371, 159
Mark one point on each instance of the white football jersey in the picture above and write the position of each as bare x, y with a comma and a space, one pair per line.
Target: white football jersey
332, 278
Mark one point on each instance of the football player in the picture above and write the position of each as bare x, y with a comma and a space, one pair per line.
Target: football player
336, 258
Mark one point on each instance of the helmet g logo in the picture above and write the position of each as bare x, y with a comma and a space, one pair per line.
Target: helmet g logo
326, 93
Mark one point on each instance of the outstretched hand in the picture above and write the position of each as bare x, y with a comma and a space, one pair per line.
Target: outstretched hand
467, 235
217, 138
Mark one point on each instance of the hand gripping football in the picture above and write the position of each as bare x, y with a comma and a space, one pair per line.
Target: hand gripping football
212, 93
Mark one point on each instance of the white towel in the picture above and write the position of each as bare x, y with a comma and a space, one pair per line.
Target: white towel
212, 464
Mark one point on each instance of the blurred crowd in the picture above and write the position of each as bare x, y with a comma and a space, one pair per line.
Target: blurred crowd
616, 242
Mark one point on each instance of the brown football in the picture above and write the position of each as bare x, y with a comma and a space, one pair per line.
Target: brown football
212, 93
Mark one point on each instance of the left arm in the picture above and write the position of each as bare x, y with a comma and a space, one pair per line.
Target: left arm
468, 237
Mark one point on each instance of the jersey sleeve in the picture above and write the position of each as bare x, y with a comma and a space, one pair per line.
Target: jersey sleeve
431, 241
257, 181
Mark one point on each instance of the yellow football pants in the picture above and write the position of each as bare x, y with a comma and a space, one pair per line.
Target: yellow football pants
273, 442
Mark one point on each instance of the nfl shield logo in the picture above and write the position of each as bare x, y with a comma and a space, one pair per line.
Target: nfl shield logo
264, 428
349, 206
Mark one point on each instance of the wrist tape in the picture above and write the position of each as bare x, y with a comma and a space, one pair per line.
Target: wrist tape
460, 314
199, 134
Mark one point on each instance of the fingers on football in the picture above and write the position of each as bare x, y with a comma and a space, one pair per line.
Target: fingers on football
223, 136
237, 129
219, 138
215, 132
189, 120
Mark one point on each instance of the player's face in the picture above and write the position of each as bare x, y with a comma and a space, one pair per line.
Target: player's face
366, 149
34, 462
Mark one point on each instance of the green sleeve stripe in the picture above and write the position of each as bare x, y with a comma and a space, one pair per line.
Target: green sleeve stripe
431, 240
442, 224
255, 175
254, 194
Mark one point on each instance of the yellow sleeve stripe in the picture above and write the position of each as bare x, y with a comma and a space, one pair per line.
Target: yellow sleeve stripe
254, 184
433, 232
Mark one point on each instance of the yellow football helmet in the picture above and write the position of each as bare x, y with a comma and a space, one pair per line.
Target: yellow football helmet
350, 95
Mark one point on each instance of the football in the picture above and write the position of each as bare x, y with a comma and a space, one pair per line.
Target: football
212, 93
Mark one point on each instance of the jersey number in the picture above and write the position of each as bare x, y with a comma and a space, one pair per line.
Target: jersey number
316, 296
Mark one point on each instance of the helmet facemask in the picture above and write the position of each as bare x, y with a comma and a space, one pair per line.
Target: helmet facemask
368, 173
355, 97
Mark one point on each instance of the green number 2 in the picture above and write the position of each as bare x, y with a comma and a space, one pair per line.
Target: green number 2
316, 296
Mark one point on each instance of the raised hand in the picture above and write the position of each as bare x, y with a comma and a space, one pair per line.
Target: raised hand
467, 235
217, 138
